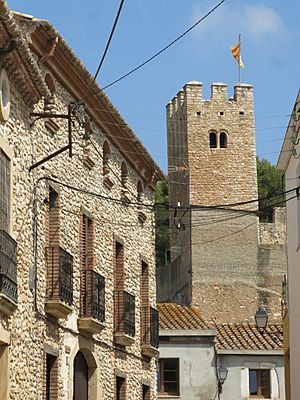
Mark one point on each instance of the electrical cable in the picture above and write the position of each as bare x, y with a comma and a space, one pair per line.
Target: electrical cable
162, 50
163, 119
107, 44
108, 166
231, 233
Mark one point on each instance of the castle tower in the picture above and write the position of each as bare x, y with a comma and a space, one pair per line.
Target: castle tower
217, 260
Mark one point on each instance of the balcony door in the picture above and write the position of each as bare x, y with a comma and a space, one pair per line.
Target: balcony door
81, 377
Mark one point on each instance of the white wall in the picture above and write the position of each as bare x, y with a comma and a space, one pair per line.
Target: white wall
232, 388
196, 369
293, 241
197, 379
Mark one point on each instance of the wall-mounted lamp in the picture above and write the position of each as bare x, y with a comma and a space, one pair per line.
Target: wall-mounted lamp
261, 318
222, 376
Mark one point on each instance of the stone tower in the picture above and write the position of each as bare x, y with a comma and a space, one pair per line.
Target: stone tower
222, 258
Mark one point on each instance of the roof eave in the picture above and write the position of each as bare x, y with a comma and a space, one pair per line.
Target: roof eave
287, 145
67, 68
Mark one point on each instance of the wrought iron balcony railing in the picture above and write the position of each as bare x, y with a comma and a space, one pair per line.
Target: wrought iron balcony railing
149, 326
125, 313
59, 275
8, 266
92, 295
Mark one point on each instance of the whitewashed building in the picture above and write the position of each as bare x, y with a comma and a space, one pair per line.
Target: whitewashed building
289, 162
193, 352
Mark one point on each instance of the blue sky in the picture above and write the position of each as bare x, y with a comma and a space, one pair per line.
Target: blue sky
270, 39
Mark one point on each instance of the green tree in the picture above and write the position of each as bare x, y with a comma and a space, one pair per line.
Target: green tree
269, 180
162, 239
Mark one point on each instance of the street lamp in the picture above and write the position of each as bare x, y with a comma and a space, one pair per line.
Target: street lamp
222, 376
261, 318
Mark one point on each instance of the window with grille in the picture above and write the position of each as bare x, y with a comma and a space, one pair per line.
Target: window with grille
5, 197
259, 383
168, 380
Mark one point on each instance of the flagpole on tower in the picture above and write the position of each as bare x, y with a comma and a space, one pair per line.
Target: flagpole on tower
239, 62
237, 54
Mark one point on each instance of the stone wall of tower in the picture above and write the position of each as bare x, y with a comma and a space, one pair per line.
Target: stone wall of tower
221, 175
232, 262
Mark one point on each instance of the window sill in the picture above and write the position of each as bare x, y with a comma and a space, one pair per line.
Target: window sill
168, 396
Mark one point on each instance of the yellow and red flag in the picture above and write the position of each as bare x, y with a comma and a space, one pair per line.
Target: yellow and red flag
236, 52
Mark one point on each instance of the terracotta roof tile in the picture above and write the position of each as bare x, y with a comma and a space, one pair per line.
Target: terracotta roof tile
248, 337
230, 336
175, 316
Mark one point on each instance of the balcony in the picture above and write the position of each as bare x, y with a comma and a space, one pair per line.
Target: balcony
59, 295
92, 306
149, 331
124, 318
8, 273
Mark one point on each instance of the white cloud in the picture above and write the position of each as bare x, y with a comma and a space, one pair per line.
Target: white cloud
262, 20
255, 21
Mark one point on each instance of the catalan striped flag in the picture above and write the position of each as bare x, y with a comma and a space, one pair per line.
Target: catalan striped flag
236, 52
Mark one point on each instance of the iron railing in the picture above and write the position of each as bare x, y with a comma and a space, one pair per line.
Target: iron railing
8, 266
149, 326
59, 275
92, 295
125, 313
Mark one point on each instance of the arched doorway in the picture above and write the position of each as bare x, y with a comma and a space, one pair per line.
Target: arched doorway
80, 378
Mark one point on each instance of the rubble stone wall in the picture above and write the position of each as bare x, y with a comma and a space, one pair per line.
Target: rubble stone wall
31, 329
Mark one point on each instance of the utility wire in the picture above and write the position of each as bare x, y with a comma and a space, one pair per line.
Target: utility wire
107, 45
164, 48
164, 205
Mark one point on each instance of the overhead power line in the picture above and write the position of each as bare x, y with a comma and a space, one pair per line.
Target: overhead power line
165, 47
108, 43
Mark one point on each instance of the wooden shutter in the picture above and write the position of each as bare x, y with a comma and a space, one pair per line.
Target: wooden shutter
274, 385
244, 383
4, 191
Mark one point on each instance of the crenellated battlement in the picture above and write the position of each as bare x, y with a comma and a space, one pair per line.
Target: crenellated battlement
192, 93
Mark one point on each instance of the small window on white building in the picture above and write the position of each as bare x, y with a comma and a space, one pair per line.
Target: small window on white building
259, 383
168, 379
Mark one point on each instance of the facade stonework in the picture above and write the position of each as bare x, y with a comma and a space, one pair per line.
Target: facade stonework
30, 338
224, 260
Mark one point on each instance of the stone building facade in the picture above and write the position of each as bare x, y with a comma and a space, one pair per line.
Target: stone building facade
77, 263
222, 258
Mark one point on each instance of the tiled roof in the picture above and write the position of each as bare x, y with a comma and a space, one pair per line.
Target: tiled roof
175, 316
229, 336
247, 337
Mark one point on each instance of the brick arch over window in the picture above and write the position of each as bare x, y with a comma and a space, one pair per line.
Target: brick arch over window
106, 158
124, 174
140, 190
223, 140
49, 104
213, 140
50, 83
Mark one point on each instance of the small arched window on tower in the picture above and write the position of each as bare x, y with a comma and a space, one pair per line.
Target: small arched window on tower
223, 140
213, 140
106, 158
